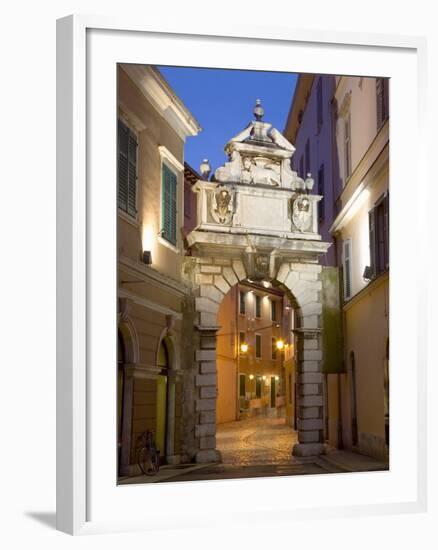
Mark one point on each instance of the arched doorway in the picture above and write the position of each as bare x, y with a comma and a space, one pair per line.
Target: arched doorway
163, 363
121, 360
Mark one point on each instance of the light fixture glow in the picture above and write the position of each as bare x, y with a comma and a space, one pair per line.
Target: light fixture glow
251, 377
277, 378
244, 347
279, 344
264, 377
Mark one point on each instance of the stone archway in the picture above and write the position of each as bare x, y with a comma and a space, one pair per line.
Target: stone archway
257, 219
301, 281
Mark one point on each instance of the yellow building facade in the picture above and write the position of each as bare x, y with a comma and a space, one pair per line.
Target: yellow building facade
254, 353
154, 335
361, 230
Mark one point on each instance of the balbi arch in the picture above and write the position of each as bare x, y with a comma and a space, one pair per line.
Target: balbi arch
302, 283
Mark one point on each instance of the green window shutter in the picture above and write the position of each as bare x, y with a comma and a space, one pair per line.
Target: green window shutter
132, 172
372, 239
122, 166
168, 207
127, 170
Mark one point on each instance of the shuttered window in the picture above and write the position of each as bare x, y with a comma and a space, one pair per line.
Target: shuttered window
242, 385
379, 236
127, 169
258, 346
258, 306
347, 147
347, 259
242, 302
273, 310
382, 96
168, 206
274, 348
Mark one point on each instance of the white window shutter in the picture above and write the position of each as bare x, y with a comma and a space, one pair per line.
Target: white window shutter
347, 259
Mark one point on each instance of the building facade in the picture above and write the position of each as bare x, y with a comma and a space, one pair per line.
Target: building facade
362, 235
154, 333
343, 123
253, 338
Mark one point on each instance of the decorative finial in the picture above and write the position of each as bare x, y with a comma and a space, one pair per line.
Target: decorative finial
205, 169
258, 110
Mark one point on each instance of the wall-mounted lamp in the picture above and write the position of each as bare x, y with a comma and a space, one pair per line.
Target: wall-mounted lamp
277, 378
147, 257
244, 347
251, 377
279, 344
263, 377
367, 273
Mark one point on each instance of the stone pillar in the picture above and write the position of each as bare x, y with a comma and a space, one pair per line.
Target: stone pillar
170, 420
310, 421
205, 404
128, 396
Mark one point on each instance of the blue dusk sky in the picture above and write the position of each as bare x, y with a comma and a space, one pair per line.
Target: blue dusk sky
222, 102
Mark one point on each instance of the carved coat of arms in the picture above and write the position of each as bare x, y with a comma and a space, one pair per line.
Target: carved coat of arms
302, 213
222, 207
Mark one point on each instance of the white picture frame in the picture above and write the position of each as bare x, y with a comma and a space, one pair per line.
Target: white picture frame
87, 500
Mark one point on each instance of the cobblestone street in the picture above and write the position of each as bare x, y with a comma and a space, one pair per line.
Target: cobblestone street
261, 447
256, 441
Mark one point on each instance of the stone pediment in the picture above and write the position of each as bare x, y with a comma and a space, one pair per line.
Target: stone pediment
261, 155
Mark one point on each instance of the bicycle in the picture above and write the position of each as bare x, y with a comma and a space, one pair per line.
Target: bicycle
148, 457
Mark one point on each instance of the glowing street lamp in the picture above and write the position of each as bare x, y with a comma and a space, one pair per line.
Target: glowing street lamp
244, 347
279, 344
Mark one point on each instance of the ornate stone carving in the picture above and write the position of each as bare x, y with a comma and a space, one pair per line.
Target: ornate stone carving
260, 170
302, 213
222, 207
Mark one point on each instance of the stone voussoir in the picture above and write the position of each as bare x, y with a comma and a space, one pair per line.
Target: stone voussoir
230, 276
239, 269
283, 272
206, 268
221, 284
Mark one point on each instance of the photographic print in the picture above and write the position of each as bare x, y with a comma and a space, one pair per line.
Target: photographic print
253, 274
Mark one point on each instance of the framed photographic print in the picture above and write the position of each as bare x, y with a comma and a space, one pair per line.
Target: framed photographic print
233, 326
